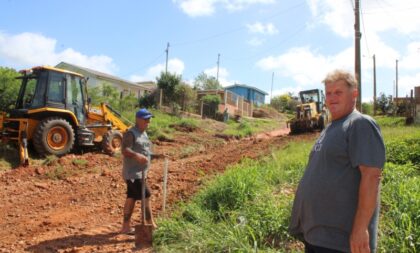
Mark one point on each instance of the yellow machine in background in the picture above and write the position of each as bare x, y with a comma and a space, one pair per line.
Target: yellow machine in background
53, 113
311, 114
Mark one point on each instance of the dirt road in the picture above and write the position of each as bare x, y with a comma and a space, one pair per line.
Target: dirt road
74, 204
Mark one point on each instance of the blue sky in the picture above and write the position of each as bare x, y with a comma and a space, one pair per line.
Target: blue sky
300, 41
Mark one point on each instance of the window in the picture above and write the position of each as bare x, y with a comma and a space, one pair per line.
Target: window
56, 88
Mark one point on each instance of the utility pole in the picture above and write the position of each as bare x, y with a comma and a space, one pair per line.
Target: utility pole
167, 55
374, 85
396, 78
271, 93
357, 65
218, 65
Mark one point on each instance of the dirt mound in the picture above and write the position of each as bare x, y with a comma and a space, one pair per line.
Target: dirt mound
267, 112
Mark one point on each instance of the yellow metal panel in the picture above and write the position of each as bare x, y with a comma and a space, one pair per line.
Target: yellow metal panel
48, 109
54, 69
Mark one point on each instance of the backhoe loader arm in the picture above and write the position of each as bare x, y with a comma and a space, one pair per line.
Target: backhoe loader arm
115, 118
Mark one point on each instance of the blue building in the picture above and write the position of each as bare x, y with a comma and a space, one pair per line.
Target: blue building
251, 94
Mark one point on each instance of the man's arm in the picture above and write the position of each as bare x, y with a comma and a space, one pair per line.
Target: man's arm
127, 151
368, 196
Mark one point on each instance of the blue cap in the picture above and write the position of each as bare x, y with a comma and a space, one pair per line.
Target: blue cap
143, 114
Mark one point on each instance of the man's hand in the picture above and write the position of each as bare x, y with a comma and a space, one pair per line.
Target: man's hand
141, 159
359, 241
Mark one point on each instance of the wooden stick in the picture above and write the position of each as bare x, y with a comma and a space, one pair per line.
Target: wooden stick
165, 182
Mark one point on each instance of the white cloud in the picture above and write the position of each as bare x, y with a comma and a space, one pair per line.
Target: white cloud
378, 16
29, 49
411, 60
255, 42
307, 67
223, 75
197, 8
175, 65
258, 27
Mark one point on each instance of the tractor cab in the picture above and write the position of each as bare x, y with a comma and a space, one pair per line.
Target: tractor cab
311, 114
313, 96
47, 87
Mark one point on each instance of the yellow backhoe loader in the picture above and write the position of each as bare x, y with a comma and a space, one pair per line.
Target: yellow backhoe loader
311, 114
53, 112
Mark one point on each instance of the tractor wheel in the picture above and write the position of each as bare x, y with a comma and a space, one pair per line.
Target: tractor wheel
112, 141
53, 136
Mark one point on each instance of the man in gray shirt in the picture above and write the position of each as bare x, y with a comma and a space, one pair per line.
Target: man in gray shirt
337, 201
137, 152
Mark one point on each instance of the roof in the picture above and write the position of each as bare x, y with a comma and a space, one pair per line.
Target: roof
52, 68
247, 87
148, 84
100, 74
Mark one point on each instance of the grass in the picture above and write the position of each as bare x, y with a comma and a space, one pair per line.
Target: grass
249, 205
162, 125
250, 126
246, 206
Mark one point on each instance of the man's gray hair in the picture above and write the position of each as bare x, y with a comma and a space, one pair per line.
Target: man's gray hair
341, 75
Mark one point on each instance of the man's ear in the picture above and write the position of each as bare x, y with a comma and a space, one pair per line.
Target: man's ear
355, 93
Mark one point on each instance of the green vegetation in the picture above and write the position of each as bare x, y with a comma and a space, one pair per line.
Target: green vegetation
249, 205
385, 121
9, 88
163, 124
249, 126
284, 103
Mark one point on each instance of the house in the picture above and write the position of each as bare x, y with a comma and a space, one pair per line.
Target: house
232, 102
252, 94
97, 78
150, 85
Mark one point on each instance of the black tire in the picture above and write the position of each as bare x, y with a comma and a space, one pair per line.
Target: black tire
53, 136
112, 141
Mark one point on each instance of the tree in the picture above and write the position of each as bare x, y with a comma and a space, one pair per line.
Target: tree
105, 93
367, 108
384, 103
283, 103
185, 96
205, 82
9, 88
168, 82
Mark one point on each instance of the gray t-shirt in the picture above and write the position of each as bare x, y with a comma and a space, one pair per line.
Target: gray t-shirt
327, 195
140, 144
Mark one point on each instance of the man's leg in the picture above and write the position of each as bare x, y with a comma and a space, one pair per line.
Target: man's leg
149, 215
128, 211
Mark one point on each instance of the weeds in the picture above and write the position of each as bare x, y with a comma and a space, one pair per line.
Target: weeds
250, 203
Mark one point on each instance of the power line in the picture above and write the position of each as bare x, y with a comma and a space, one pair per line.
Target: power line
237, 29
364, 31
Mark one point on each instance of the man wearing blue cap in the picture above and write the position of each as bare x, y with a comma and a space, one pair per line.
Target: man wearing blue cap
137, 152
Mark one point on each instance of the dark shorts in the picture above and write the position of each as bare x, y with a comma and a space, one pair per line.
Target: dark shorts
309, 248
134, 189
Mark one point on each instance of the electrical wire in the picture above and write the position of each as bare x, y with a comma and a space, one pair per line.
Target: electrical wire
237, 29
364, 31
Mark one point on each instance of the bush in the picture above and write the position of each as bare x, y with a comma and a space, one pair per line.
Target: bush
403, 151
9, 88
388, 121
